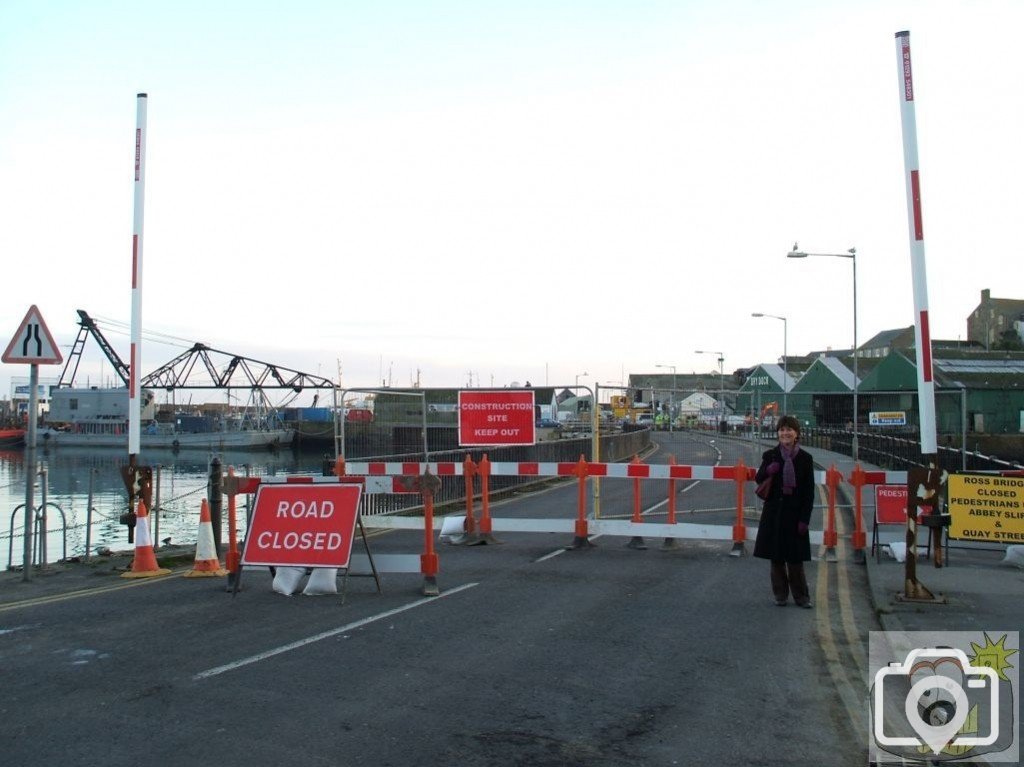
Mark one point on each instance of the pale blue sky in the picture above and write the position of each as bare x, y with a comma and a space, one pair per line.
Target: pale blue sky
525, 191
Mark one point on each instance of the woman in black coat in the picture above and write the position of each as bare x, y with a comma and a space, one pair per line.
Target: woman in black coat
782, 533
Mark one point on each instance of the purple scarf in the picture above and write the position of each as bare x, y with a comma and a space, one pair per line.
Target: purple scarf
788, 470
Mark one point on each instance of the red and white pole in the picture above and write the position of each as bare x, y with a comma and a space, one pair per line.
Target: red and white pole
135, 382
922, 334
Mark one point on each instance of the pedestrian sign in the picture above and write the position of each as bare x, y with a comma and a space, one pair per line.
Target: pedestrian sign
33, 344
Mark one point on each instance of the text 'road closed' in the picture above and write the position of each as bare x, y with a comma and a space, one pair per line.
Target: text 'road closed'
302, 525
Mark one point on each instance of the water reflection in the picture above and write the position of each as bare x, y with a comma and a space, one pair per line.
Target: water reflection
73, 473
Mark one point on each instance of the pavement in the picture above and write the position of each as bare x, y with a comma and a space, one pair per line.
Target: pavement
975, 589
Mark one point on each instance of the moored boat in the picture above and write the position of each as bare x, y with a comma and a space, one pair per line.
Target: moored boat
163, 436
12, 437
99, 418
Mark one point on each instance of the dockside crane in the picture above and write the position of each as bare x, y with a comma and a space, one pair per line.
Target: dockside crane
254, 374
88, 327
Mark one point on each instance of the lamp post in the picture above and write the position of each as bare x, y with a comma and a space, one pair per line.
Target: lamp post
852, 255
671, 397
721, 373
785, 356
576, 389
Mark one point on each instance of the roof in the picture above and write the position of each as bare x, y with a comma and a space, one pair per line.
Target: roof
839, 370
889, 338
774, 372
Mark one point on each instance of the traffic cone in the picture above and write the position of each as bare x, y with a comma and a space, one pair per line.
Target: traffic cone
207, 564
144, 564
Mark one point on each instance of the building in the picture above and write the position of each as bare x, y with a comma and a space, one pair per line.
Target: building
984, 388
765, 385
997, 323
20, 390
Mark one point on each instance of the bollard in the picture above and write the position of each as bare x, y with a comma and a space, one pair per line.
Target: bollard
233, 560
637, 541
581, 541
484, 470
831, 538
671, 543
215, 497
858, 538
44, 532
741, 475
88, 515
469, 535
428, 559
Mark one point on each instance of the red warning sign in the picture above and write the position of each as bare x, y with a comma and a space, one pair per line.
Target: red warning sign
891, 504
496, 418
302, 525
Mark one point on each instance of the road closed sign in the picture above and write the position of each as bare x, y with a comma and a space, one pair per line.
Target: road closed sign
985, 507
302, 525
496, 418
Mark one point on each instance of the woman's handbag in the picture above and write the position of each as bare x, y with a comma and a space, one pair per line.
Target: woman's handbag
764, 488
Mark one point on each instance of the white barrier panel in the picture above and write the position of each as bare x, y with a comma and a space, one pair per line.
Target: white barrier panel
385, 563
616, 527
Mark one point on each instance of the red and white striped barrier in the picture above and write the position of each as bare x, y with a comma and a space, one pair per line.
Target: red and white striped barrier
386, 477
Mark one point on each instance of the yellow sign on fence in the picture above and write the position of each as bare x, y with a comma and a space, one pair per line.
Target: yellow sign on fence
986, 508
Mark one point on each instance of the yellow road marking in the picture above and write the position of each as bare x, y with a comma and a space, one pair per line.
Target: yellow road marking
51, 598
850, 694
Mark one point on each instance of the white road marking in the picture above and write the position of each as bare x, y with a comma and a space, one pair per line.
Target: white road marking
326, 634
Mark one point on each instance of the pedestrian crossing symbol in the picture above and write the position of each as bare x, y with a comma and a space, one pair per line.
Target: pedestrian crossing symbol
33, 344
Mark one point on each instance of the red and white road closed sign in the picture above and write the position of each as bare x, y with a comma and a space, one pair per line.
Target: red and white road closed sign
496, 418
302, 525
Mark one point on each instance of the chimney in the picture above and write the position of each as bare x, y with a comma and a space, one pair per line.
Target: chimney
986, 294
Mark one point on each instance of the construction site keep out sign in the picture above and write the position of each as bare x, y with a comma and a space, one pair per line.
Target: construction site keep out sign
496, 418
302, 525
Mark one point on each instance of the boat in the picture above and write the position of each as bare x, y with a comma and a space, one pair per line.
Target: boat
98, 418
12, 437
163, 436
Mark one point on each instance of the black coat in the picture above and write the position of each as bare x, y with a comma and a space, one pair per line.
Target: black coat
777, 535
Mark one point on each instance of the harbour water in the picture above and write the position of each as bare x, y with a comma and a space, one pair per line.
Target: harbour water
73, 475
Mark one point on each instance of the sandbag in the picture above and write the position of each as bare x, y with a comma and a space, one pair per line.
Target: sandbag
288, 580
324, 580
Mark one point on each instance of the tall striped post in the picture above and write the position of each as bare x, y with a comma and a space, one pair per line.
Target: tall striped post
919, 275
135, 379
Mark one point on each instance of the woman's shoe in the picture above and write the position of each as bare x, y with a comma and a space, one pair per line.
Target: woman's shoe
806, 604
780, 602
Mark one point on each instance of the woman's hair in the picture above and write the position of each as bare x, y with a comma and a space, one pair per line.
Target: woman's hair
790, 421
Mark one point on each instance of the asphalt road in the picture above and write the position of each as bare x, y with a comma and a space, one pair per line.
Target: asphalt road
532, 655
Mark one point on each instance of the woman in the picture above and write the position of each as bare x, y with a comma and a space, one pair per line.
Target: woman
782, 533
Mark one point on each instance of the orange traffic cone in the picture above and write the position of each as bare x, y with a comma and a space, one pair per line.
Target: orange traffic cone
144, 564
207, 564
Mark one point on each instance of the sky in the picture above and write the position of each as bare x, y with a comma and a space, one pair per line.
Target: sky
482, 193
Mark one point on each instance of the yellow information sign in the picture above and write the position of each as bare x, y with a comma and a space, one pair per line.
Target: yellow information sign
986, 508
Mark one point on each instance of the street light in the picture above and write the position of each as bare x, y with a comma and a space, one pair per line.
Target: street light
852, 255
580, 375
785, 355
671, 397
721, 373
